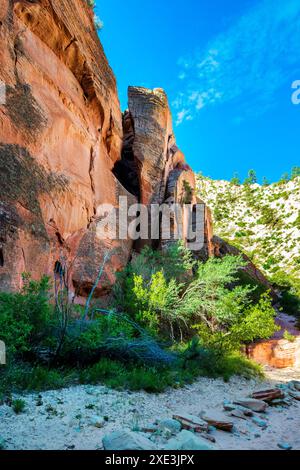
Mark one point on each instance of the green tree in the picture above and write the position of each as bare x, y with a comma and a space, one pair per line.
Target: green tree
235, 180
252, 177
295, 172
285, 178
265, 181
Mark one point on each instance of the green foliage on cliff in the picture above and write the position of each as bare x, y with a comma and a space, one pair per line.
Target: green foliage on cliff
262, 221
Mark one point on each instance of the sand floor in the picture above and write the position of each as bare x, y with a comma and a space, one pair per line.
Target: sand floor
65, 418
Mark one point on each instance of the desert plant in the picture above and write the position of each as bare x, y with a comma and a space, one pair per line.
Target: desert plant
18, 406
25, 316
289, 337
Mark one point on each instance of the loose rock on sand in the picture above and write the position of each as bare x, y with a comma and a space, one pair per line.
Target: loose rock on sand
67, 418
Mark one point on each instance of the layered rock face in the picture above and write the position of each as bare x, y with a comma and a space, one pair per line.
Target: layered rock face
61, 134
62, 151
160, 167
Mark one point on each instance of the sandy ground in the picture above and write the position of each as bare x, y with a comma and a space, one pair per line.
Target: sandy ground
64, 418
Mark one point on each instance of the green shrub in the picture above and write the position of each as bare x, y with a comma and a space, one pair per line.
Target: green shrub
289, 337
18, 406
20, 376
269, 217
214, 303
25, 316
290, 292
188, 367
256, 322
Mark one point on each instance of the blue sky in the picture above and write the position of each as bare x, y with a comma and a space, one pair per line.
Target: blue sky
227, 67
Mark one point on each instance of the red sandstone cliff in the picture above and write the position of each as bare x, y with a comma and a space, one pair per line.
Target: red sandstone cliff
62, 152
61, 134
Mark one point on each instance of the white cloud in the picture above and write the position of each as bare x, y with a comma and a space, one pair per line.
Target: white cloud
183, 115
251, 60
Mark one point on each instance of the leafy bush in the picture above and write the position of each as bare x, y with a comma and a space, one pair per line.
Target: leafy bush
290, 292
18, 406
25, 316
215, 303
149, 288
257, 321
289, 337
123, 339
153, 304
188, 367
269, 217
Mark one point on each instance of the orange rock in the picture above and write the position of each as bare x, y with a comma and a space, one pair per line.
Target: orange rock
61, 134
278, 353
268, 395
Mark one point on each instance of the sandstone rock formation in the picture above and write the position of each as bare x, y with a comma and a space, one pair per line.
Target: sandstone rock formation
62, 151
61, 134
279, 353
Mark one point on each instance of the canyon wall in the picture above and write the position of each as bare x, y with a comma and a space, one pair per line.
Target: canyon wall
66, 148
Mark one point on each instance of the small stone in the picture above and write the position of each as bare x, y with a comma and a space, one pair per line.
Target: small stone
186, 440
297, 385
284, 446
294, 384
218, 420
149, 429
212, 428
281, 402
127, 440
247, 412
97, 421
170, 426
253, 404
295, 395
191, 422
268, 395
238, 414
261, 423
228, 406
282, 386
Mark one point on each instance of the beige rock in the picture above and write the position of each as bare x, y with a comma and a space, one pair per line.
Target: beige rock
191, 422
295, 395
252, 404
218, 420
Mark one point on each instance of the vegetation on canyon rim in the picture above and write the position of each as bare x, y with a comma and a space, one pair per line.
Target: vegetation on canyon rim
263, 221
171, 320
97, 21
